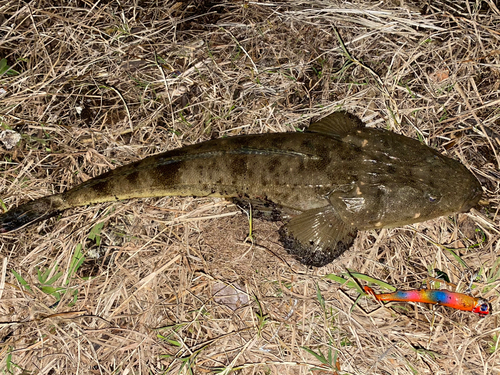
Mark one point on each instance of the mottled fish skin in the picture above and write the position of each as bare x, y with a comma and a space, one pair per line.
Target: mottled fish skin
334, 179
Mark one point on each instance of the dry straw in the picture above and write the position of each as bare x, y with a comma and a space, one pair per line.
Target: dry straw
135, 287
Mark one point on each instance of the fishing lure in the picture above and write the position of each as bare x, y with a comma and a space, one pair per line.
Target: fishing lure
454, 300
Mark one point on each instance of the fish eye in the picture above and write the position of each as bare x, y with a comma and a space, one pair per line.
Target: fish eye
433, 198
430, 194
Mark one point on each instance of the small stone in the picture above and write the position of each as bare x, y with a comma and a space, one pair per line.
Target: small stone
9, 138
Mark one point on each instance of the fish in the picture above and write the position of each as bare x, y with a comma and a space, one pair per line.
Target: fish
458, 301
325, 183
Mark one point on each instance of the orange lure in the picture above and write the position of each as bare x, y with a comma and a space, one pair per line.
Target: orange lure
454, 300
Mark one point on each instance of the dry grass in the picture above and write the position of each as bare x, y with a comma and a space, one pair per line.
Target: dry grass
94, 86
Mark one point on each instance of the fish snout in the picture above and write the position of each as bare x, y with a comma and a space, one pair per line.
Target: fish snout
473, 198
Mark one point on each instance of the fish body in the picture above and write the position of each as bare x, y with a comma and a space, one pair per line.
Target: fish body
458, 301
326, 183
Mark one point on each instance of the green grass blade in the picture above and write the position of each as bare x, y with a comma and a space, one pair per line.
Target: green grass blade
369, 279
76, 261
95, 232
320, 357
341, 280
22, 281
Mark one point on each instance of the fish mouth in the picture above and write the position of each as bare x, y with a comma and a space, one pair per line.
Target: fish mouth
473, 199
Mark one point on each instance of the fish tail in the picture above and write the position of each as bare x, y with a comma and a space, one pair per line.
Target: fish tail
370, 291
31, 212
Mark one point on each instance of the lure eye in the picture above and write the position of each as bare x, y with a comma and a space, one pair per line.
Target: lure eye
484, 307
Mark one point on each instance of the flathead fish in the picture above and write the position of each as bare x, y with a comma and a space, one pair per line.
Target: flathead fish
326, 183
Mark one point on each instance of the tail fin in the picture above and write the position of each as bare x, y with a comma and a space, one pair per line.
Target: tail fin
31, 212
370, 291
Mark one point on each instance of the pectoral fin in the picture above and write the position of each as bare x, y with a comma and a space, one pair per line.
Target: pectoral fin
316, 237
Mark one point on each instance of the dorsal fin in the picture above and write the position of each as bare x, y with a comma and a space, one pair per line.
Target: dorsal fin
337, 124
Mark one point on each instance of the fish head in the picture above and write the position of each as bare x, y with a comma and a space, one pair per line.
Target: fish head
404, 182
438, 186
482, 308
